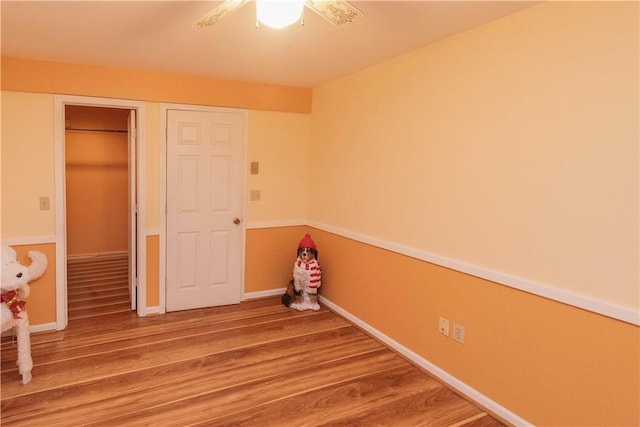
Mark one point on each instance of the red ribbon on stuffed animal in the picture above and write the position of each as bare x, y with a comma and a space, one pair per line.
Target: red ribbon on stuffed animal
15, 305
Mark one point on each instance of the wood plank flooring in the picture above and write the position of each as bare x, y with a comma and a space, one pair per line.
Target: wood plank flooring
97, 287
253, 364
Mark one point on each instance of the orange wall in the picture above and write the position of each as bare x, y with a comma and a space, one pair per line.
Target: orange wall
81, 116
153, 271
27, 75
97, 182
549, 363
269, 258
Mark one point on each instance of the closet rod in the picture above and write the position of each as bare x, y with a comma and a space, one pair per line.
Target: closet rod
97, 130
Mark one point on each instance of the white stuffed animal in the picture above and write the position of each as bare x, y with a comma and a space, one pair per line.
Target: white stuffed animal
15, 287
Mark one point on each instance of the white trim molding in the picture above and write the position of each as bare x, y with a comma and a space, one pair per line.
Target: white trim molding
30, 240
254, 225
434, 370
605, 308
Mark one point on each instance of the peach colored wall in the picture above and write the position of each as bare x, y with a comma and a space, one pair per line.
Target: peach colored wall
512, 147
26, 77
280, 143
154, 185
549, 363
97, 181
27, 164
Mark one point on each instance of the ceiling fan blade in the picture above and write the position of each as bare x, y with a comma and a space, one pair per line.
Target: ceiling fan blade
220, 12
338, 12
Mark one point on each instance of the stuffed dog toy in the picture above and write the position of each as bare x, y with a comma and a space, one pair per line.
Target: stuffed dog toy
302, 291
14, 285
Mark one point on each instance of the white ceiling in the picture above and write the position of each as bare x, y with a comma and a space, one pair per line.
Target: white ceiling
160, 36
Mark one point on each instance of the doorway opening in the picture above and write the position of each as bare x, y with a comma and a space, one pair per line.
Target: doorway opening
98, 217
98, 199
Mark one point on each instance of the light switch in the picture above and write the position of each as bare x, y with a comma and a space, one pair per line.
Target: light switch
254, 195
255, 168
44, 203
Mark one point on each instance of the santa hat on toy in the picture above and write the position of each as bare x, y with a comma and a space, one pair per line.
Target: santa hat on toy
307, 242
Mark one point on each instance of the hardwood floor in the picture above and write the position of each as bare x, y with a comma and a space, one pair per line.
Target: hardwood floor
256, 363
98, 287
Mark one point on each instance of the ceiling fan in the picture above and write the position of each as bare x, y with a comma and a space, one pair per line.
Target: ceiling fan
337, 12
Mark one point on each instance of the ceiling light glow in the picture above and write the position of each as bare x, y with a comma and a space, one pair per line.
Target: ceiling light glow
279, 13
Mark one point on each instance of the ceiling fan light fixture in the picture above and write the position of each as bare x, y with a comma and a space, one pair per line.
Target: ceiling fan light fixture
279, 13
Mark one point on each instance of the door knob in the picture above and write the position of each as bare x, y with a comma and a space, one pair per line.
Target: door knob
236, 221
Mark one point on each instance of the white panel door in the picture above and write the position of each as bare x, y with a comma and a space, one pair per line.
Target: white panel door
205, 245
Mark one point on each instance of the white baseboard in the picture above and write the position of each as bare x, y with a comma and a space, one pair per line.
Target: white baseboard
263, 294
149, 311
44, 327
437, 372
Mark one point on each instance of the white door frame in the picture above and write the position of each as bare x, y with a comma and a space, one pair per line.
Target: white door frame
132, 205
164, 107
60, 101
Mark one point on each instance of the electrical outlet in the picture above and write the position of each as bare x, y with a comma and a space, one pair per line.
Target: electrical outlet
254, 195
458, 333
443, 326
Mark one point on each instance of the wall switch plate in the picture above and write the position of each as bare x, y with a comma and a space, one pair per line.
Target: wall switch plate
443, 326
254, 195
44, 203
255, 168
458, 333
